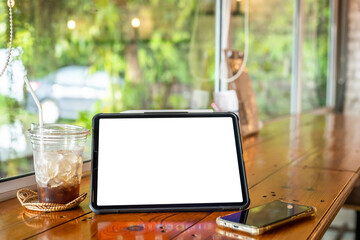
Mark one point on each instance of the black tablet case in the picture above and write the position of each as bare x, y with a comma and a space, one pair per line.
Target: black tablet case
165, 207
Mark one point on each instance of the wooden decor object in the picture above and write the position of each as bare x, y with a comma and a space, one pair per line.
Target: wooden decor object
248, 112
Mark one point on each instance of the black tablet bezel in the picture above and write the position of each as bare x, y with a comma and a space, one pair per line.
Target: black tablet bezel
166, 207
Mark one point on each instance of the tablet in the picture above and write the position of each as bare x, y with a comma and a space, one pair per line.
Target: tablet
168, 161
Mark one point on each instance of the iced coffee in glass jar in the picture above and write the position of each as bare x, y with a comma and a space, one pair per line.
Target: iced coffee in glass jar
58, 157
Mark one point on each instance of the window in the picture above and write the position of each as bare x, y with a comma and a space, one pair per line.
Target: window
270, 52
84, 57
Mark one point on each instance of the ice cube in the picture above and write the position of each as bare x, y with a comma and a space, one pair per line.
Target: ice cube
68, 167
64, 167
52, 169
54, 182
71, 157
52, 156
79, 168
46, 166
42, 180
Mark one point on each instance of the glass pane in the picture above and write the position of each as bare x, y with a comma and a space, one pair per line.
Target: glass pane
315, 53
270, 52
84, 57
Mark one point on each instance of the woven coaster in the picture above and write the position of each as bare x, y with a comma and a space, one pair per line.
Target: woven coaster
29, 199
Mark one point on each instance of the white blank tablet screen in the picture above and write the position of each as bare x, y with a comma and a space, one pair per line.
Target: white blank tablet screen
145, 161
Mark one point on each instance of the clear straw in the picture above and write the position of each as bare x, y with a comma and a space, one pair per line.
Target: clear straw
36, 101
40, 112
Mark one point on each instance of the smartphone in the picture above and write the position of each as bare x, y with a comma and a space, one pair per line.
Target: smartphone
260, 219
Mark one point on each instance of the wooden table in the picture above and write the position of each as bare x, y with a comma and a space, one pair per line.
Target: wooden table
310, 159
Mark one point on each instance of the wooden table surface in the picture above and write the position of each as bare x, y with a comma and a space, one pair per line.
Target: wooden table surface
310, 159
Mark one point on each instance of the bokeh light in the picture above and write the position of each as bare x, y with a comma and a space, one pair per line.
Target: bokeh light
71, 24
135, 22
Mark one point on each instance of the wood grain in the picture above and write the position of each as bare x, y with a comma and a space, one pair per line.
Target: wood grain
311, 187
31, 222
311, 159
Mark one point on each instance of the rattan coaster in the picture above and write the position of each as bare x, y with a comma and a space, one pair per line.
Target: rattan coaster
29, 199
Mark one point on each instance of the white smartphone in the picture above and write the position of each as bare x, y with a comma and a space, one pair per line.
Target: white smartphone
260, 219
